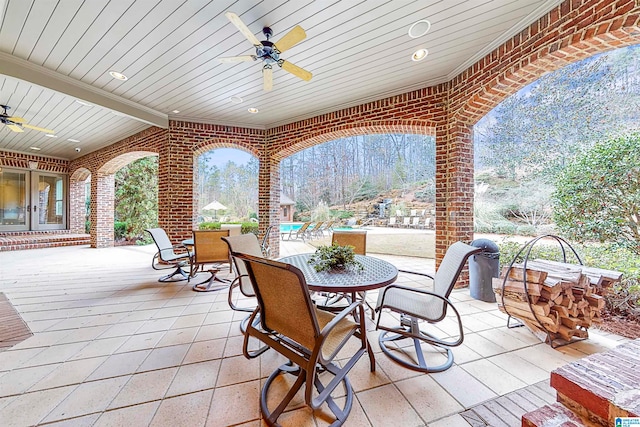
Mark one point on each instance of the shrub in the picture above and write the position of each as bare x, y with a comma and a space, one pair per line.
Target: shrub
120, 230
246, 227
597, 196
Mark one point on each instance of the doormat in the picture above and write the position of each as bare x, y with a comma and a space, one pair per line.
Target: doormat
13, 329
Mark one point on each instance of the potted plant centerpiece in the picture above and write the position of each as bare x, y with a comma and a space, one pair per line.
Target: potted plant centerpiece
335, 258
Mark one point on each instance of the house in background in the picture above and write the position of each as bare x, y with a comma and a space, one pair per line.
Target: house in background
287, 206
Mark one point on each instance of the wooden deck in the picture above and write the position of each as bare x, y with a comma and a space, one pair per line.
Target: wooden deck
507, 410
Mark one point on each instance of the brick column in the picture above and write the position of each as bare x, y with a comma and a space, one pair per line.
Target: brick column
176, 187
454, 187
269, 199
76, 205
102, 209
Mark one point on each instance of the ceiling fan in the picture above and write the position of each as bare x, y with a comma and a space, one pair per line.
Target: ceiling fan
16, 124
269, 52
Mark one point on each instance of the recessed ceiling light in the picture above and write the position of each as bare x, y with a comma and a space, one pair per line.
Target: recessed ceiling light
35, 148
236, 99
419, 29
86, 104
50, 135
175, 111
72, 140
419, 54
118, 75
253, 110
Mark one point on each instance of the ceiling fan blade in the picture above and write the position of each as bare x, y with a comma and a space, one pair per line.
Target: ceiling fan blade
296, 71
37, 128
267, 76
15, 128
293, 37
17, 119
238, 58
235, 20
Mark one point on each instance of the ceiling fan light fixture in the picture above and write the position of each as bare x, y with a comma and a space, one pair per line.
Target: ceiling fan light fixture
118, 75
175, 111
419, 55
419, 28
236, 99
253, 110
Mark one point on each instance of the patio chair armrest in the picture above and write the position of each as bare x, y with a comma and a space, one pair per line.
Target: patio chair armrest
417, 273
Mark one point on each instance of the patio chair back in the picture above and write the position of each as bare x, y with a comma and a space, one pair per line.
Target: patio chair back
357, 239
209, 248
450, 268
165, 248
246, 244
234, 229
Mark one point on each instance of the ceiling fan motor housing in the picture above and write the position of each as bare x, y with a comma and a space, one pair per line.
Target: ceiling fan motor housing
267, 52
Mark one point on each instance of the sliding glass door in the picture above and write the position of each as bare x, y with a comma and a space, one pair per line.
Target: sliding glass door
31, 200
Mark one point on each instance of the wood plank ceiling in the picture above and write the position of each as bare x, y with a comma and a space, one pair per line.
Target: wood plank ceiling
54, 53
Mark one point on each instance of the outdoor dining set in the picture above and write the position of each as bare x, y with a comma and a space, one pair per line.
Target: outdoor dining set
309, 315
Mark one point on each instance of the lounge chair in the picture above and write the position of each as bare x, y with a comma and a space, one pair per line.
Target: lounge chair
316, 230
415, 222
406, 222
167, 257
310, 339
429, 307
301, 232
209, 248
392, 222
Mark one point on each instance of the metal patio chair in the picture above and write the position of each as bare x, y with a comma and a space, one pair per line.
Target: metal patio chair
308, 337
166, 257
429, 307
208, 248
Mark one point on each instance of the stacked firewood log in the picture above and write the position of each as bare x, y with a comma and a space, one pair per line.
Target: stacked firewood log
559, 299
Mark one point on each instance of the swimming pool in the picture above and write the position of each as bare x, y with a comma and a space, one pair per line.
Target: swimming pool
287, 227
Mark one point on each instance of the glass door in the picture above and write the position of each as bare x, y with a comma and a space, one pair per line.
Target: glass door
14, 205
48, 201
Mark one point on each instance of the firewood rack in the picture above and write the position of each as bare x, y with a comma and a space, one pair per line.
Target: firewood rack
526, 249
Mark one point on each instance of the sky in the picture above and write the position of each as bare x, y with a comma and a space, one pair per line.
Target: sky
221, 156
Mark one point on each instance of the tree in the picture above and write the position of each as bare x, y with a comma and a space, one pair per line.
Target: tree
136, 196
598, 195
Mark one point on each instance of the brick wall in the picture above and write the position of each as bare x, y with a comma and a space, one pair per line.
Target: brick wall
570, 32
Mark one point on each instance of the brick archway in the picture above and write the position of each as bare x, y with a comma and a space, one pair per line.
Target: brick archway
510, 71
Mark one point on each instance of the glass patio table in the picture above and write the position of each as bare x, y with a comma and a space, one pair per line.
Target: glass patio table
376, 274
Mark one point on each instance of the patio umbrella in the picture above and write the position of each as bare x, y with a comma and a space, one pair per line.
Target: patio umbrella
214, 206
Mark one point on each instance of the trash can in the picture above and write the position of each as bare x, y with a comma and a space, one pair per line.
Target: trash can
483, 267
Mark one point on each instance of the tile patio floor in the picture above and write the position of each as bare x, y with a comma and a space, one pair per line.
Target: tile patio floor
112, 347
